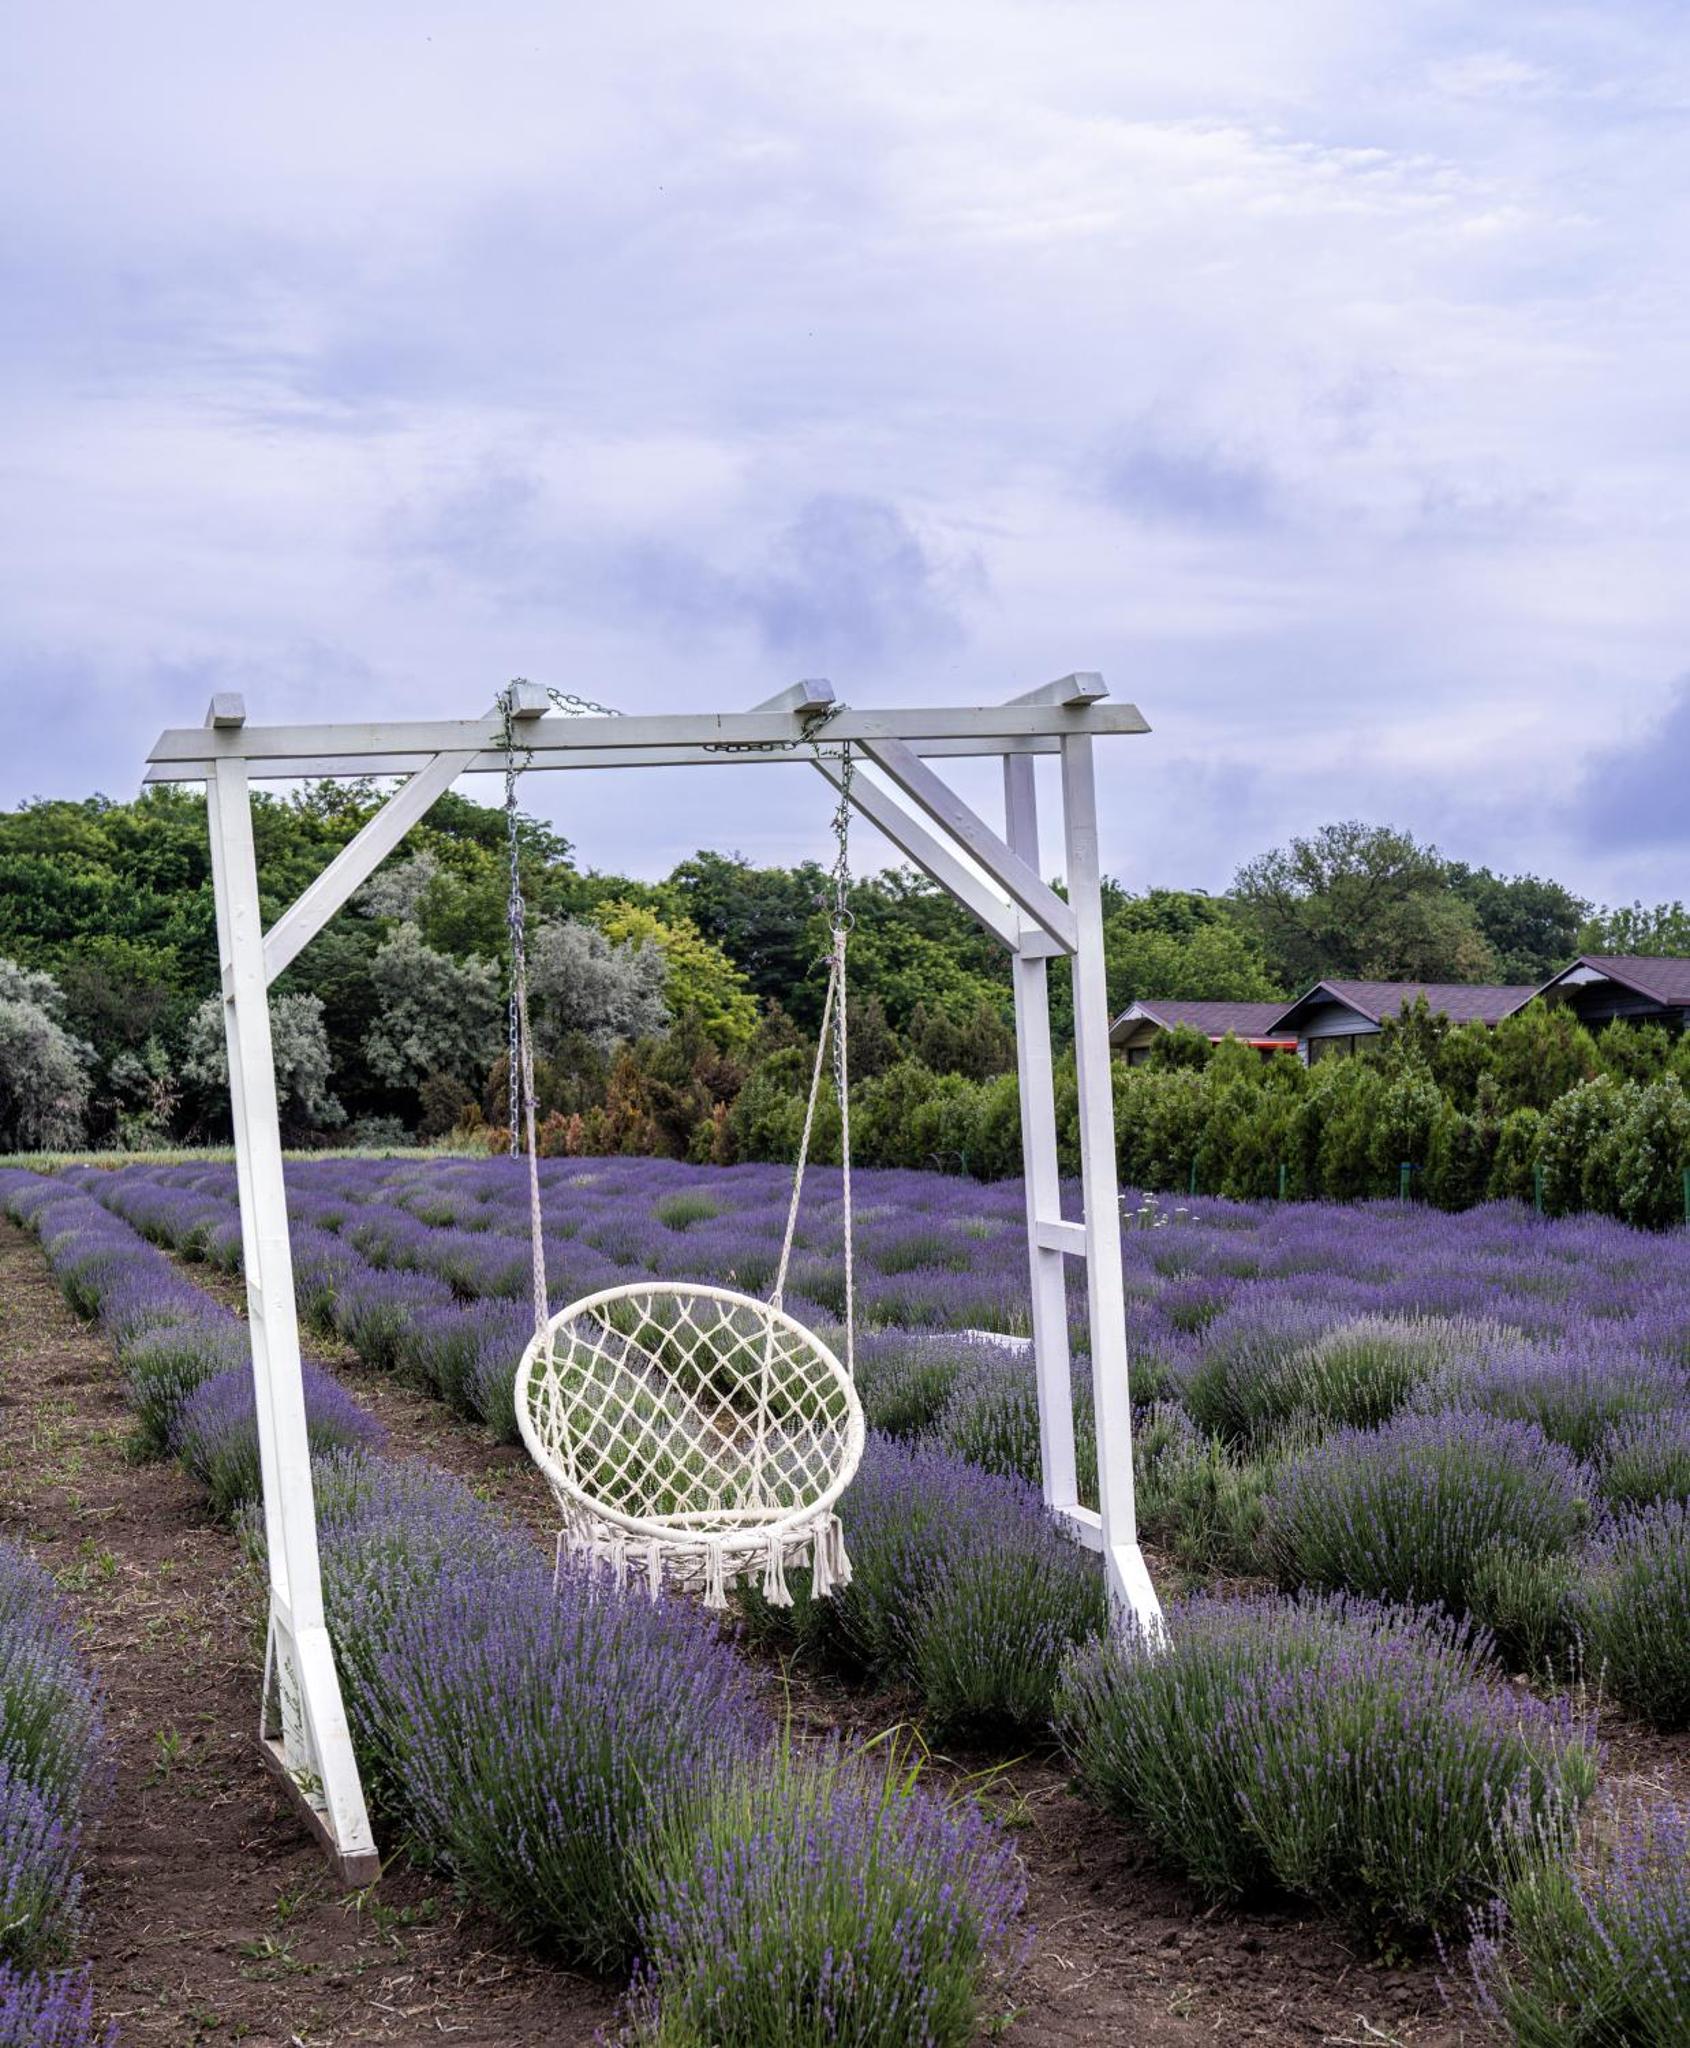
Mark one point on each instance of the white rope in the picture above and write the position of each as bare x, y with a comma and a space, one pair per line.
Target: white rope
842, 1084
833, 1029
778, 1294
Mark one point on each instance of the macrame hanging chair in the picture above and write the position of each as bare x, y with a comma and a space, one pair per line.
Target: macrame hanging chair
693, 1436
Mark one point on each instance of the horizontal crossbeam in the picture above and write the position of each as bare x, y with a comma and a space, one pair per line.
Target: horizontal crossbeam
327, 767
683, 737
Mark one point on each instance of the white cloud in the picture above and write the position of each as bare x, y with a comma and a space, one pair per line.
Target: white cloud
1316, 373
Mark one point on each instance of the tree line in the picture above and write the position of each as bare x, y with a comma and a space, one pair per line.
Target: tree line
672, 1016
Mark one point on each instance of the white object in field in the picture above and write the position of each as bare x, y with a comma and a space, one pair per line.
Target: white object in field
998, 881
302, 1728
692, 1436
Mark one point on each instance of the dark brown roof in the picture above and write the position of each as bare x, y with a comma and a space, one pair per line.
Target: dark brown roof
1214, 1020
1664, 978
1462, 1002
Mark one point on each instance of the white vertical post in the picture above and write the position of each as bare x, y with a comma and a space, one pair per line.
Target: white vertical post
1039, 1167
303, 1728
1133, 1597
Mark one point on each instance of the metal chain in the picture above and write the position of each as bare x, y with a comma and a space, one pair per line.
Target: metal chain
580, 707
805, 739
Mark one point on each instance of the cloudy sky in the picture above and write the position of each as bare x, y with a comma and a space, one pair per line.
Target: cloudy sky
1317, 372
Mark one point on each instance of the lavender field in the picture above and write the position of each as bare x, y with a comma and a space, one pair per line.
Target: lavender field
1386, 1458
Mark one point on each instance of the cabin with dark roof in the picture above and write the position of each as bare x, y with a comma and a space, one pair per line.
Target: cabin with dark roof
1140, 1024
1335, 1017
1607, 988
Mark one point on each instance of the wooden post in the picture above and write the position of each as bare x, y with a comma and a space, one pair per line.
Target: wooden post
1132, 1595
302, 1725
1041, 1176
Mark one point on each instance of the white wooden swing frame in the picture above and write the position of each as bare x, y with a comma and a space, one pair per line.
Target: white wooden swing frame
997, 878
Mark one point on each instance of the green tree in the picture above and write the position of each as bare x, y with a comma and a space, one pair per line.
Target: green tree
1362, 900
760, 918
976, 1047
1661, 928
700, 981
1538, 1053
1532, 924
434, 1014
300, 1051
1651, 1152
43, 1070
1577, 1146
581, 981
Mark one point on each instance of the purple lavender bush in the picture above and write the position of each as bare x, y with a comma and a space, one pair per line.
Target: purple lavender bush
1577, 1390
1197, 1498
1249, 1347
50, 1720
1343, 1751
991, 1417
963, 1588
165, 1365
1528, 1600
1634, 1611
1356, 1373
904, 1378
824, 1898
52, 1767
1588, 1944
377, 1311
1404, 1512
40, 1874
537, 1737
1645, 1458
52, 2011
215, 1431
386, 1530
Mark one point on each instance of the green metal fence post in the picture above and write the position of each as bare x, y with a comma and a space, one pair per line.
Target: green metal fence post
1405, 1173
1282, 1177
1687, 1194
1537, 1189
1193, 1187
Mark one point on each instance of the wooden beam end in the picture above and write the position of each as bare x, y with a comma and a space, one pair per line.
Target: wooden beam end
529, 700
1084, 686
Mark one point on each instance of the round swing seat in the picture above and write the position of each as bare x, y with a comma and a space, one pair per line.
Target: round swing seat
692, 1436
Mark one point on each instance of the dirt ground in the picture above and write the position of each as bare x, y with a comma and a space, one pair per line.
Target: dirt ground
213, 1919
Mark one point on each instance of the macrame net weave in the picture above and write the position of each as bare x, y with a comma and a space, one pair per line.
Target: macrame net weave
692, 1435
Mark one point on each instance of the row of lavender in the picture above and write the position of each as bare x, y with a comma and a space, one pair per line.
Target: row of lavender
596, 1768
1491, 1411
53, 1775
981, 1625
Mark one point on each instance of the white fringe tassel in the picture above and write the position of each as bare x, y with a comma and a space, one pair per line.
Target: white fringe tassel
774, 1575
